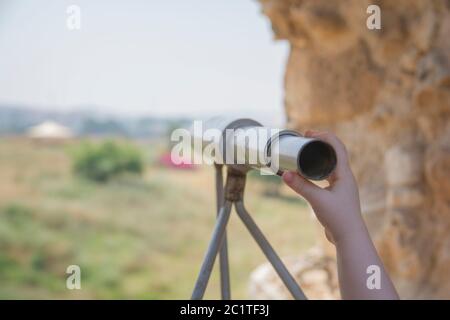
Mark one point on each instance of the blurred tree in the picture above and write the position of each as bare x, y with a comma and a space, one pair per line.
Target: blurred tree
104, 161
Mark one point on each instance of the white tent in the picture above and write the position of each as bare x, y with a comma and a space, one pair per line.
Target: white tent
50, 130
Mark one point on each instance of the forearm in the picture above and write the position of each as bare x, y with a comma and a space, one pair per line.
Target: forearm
361, 272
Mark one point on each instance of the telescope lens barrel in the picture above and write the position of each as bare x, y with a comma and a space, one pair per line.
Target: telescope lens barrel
312, 158
246, 142
317, 160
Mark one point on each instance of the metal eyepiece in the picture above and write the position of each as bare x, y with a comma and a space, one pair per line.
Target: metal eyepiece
316, 160
312, 158
245, 142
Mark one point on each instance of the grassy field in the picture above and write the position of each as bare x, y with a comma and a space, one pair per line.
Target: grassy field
133, 238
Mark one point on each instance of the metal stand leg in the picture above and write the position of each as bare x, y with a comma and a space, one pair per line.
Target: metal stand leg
223, 255
213, 249
269, 252
234, 192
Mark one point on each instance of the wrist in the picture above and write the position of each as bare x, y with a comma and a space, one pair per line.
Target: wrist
353, 233
358, 237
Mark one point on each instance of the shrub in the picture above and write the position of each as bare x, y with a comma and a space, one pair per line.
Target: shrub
101, 162
17, 213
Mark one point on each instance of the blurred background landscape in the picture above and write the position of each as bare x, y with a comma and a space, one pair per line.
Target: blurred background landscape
134, 236
86, 112
85, 121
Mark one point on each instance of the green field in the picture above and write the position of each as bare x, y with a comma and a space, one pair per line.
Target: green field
140, 238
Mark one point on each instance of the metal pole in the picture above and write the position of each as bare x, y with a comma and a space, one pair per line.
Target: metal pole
213, 249
223, 255
269, 252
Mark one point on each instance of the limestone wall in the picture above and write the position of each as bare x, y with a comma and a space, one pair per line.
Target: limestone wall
386, 93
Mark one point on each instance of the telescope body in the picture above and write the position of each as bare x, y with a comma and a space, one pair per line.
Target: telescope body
245, 142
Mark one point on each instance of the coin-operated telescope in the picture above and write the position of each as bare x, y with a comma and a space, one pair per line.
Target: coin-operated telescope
242, 145
246, 143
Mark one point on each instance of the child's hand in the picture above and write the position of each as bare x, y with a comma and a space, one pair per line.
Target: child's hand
337, 206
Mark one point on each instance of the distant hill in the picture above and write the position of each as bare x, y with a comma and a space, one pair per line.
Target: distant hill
16, 120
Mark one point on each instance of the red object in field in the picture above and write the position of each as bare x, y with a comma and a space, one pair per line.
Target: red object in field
167, 160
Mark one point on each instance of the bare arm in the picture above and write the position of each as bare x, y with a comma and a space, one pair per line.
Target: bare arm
361, 272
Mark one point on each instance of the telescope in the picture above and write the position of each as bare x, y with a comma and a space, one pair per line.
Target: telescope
242, 145
245, 142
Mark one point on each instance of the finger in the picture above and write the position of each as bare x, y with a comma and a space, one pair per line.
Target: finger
305, 188
339, 148
310, 133
331, 139
329, 236
332, 178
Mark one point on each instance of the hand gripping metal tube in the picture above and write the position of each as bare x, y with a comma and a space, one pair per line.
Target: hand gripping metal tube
246, 142
312, 158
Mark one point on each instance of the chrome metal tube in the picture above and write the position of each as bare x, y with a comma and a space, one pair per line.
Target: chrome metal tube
211, 253
223, 253
312, 158
246, 142
269, 252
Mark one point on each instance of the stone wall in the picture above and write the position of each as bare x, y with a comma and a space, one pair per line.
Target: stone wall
386, 93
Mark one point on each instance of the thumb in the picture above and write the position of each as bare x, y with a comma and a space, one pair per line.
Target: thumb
302, 186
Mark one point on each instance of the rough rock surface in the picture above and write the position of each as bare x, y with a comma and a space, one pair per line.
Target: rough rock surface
386, 93
314, 271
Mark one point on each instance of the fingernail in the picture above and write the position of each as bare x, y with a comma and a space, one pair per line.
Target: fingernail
288, 176
310, 133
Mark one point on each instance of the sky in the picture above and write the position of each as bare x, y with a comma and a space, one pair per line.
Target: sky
195, 58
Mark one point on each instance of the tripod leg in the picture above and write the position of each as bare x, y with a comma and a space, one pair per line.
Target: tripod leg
223, 255
269, 252
211, 253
